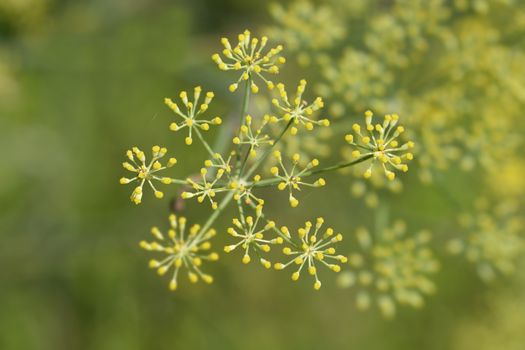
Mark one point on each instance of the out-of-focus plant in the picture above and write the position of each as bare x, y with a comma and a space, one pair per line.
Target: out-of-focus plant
452, 68
389, 267
8, 87
443, 71
16, 18
22, 15
494, 238
499, 325
243, 177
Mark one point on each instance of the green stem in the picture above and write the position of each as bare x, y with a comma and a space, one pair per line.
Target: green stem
270, 182
241, 211
339, 166
245, 160
244, 110
225, 201
245, 101
206, 145
179, 182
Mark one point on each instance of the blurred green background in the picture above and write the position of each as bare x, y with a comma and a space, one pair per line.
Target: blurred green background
80, 82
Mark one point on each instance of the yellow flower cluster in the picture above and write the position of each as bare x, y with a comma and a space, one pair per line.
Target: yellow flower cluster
181, 249
240, 175
248, 57
146, 171
250, 233
297, 111
189, 117
253, 138
380, 142
313, 249
291, 179
205, 189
